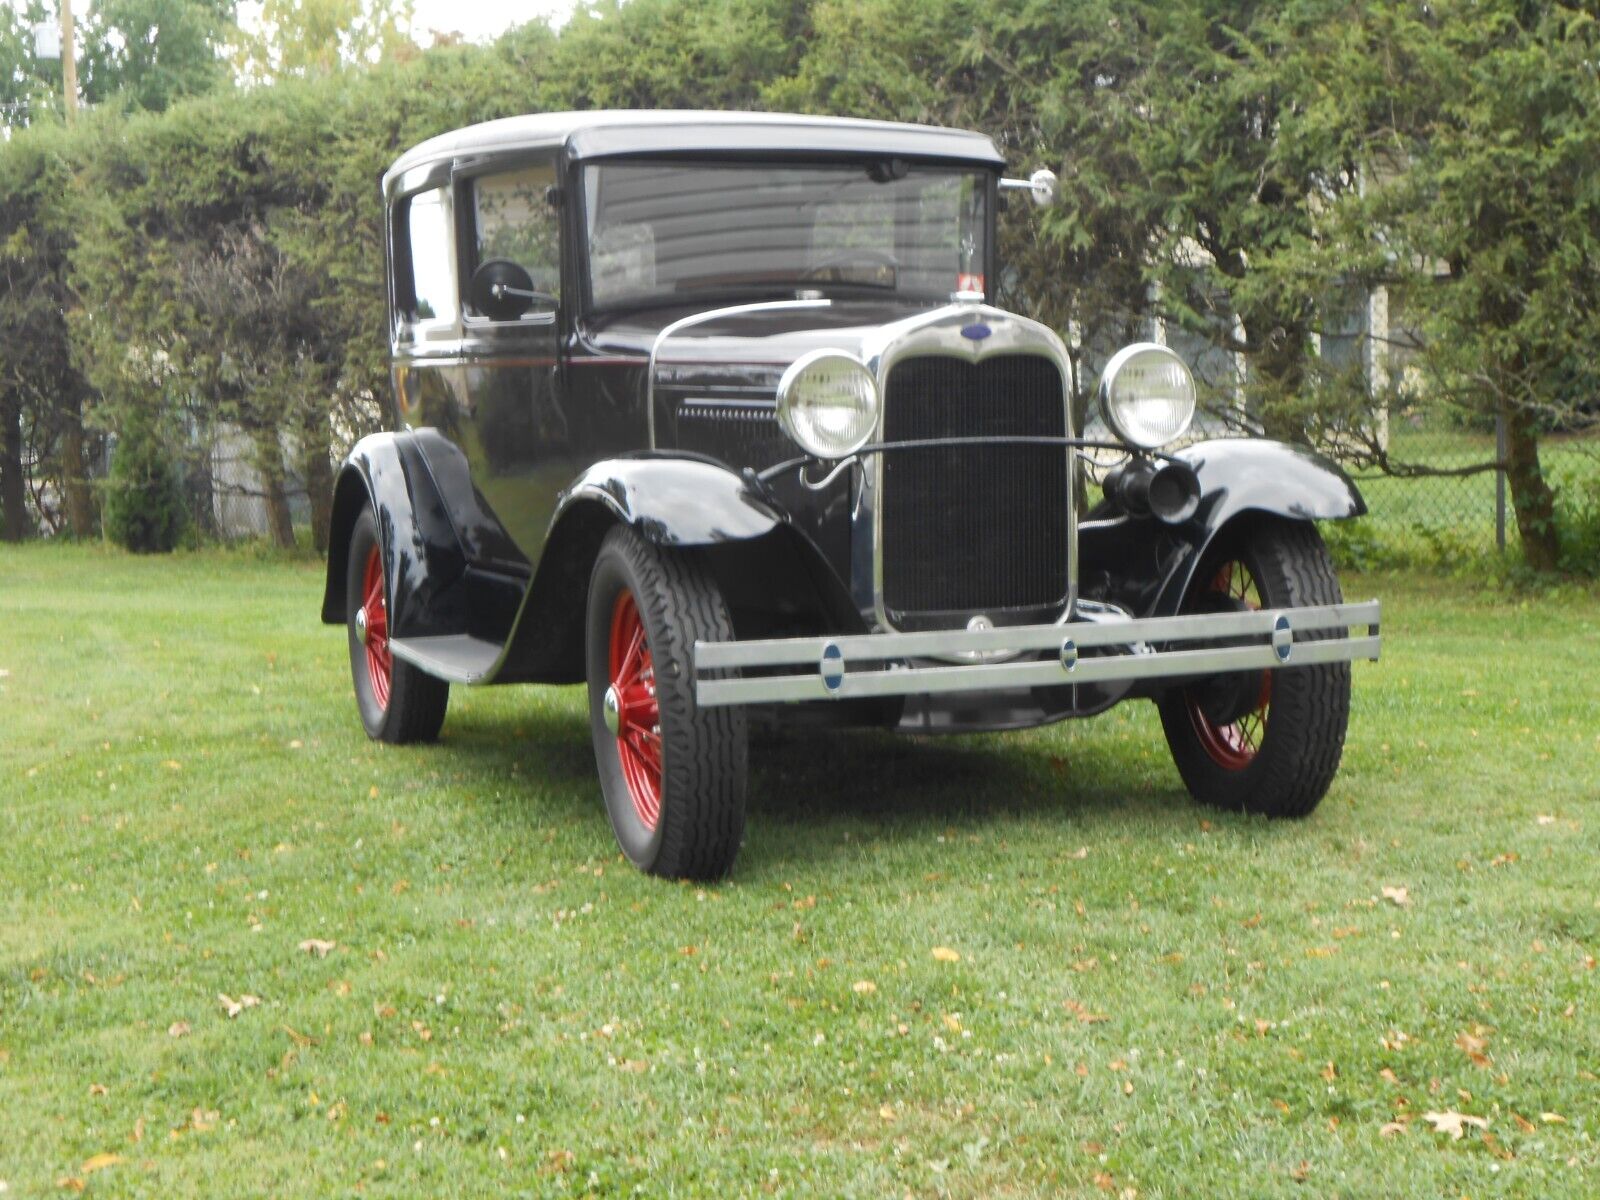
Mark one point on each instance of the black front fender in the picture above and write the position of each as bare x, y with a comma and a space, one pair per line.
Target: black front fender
669, 501
1242, 474
1149, 564
1250, 475
673, 501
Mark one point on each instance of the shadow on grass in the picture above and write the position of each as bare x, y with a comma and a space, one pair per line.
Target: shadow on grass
808, 789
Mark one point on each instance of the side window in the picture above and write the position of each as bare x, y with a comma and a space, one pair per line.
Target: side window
432, 245
514, 220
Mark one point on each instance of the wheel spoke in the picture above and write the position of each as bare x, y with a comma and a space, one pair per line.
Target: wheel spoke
638, 736
375, 614
1235, 745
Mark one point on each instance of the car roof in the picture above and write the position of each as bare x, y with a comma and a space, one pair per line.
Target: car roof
612, 132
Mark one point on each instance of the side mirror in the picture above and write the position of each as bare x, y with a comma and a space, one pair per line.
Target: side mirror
1042, 186
503, 290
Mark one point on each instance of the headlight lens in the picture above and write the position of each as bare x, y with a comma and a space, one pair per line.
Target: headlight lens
1147, 395
828, 402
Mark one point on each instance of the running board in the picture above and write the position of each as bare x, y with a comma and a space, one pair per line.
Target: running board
456, 657
1080, 652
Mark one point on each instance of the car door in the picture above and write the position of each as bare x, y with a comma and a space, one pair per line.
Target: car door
516, 433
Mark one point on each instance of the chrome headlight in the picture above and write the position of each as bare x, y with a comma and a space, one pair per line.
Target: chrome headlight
1147, 395
828, 402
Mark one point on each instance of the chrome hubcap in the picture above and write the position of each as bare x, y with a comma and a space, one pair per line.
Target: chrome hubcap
613, 711
361, 625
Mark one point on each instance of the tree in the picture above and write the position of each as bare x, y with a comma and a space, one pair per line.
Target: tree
1480, 138
317, 37
25, 79
144, 500
42, 390
145, 54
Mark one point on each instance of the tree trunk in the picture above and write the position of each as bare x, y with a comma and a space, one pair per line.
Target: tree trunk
75, 473
13, 491
318, 469
1531, 496
269, 461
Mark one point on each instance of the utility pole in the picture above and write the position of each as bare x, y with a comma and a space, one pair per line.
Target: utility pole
69, 62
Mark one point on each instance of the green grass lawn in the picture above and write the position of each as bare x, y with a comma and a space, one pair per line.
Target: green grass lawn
1150, 999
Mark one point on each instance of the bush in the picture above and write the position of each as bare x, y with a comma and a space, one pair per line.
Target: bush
1578, 517
144, 501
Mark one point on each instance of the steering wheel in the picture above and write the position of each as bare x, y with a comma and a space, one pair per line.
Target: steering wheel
853, 258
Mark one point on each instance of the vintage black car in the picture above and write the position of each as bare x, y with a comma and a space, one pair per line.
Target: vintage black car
709, 411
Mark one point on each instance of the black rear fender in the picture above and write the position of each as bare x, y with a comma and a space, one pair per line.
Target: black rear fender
434, 588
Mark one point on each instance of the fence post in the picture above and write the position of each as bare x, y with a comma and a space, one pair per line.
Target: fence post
1500, 483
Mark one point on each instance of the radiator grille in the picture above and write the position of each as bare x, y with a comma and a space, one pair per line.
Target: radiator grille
974, 529
742, 432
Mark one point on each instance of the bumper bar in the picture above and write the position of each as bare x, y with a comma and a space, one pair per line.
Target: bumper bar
1104, 651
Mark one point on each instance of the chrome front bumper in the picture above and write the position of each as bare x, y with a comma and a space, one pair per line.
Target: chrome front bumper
1105, 651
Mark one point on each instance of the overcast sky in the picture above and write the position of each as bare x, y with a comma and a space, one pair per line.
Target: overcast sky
478, 20
481, 19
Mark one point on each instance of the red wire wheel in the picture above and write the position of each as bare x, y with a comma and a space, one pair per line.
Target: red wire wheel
1232, 746
638, 714
374, 617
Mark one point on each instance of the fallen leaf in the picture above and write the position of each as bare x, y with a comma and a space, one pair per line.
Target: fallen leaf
99, 1089
235, 1007
1496, 1149
886, 1111
1546, 819
70, 1183
1390, 1129
178, 1029
1083, 1014
298, 1038
946, 955
1473, 1047
863, 987
1454, 1123
1523, 1123
1550, 1118
1399, 896
317, 946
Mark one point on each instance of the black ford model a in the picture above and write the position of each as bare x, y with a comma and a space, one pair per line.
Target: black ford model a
708, 410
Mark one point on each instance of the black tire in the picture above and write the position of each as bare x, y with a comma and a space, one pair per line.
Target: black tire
1270, 742
414, 708
702, 754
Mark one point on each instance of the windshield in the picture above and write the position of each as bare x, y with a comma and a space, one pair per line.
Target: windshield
667, 231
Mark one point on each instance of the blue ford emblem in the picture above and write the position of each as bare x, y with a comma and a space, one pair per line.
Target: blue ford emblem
976, 332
